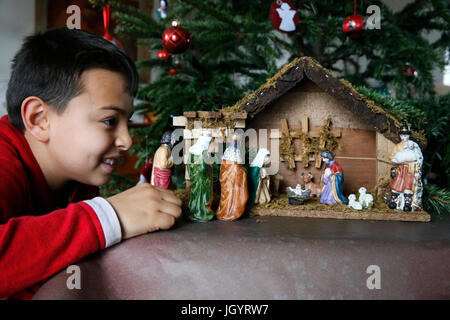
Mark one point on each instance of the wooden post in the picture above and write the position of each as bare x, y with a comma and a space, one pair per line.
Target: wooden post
322, 143
285, 131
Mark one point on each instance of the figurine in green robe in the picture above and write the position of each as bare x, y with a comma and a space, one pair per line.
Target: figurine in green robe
259, 184
201, 177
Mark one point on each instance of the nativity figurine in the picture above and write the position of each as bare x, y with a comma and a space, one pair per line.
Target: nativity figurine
233, 183
333, 179
406, 185
201, 176
259, 182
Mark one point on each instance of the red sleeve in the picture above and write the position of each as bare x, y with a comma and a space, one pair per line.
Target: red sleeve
33, 248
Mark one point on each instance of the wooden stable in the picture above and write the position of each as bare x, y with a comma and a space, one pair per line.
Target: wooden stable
301, 97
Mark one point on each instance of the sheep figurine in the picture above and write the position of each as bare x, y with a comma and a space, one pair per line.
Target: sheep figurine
352, 203
365, 199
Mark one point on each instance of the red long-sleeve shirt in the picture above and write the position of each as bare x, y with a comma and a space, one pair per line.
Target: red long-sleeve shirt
38, 239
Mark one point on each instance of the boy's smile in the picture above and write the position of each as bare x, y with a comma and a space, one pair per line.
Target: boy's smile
87, 139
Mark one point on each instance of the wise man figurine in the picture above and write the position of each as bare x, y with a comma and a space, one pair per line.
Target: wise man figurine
158, 169
233, 183
201, 175
406, 185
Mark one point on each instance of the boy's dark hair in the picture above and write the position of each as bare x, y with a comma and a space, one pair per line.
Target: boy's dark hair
49, 66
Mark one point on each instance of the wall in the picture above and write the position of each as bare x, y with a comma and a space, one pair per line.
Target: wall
16, 22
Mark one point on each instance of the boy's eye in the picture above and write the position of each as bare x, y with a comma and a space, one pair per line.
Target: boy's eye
110, 122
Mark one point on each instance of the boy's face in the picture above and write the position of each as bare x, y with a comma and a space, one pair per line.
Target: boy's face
87, 139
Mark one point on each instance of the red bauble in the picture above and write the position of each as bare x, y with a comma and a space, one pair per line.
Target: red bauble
283, 16
409, 72
162, 54
173, 72
353, 26
176, 39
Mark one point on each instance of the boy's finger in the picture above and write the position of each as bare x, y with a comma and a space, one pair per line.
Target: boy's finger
164, 221
170, 208
172, 198
163, 190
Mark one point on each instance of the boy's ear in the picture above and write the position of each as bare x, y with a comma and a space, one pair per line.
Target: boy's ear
35, 116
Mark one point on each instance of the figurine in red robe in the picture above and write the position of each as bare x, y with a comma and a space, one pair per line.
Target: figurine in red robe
333, 179
160, 166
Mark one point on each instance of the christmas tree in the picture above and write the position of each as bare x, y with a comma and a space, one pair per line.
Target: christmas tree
234, 48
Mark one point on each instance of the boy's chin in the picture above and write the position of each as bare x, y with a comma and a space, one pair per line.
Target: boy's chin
99, 181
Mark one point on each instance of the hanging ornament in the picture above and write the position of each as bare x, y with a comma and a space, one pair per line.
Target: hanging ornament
108, 36
354, 26
409, 72
162, 10
176, 39
176, 60
162, 54
283, 16
173, 72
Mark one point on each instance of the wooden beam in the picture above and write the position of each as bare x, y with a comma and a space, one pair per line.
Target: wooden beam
305, 124
209, 114
239, 124
179, 121
314, 134
239, 115
285, 131
190, 114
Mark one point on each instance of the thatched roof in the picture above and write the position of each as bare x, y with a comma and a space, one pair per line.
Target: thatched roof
291, 74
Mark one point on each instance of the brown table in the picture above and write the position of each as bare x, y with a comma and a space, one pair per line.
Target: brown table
269, 258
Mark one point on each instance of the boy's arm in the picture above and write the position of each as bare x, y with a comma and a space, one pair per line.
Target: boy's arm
32, 248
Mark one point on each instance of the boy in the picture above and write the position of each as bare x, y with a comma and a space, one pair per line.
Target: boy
69, 100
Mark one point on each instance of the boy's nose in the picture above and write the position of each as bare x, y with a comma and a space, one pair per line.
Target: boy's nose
123, 140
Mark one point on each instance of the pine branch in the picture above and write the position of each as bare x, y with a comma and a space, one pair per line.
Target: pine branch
436, 199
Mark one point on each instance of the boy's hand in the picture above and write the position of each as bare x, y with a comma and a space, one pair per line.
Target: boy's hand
145, 208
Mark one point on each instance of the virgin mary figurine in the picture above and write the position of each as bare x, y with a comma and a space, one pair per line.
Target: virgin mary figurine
201, 177
333, 179
233, 184
259, 183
